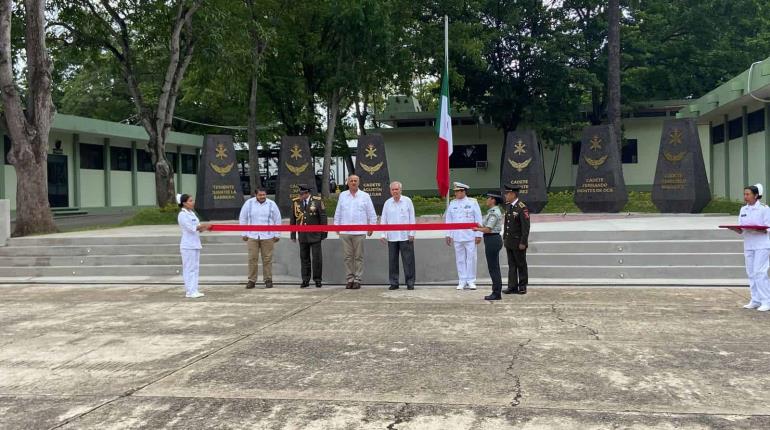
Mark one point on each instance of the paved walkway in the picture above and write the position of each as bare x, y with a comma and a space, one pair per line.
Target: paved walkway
143, 357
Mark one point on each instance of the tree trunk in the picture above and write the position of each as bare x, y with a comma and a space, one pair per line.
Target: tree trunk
28, 129
331, 122
613, 64
255, 181
165, 188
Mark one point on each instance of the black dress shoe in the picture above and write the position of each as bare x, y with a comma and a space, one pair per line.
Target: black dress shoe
510, 291
304, 285
356, 286
349, 285
522, 290
393, 287
268, 285
410, 287
318, 285
493, 297
250, 285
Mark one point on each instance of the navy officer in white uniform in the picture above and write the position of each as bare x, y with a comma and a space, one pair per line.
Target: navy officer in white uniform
464, 209
190, 245
756, 247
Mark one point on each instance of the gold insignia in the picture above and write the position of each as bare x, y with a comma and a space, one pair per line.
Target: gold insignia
519, 148
221, 151
297, 170
596, 143
222, 170
595, 163
520, 166
296, 152
674, 158
675, 137
371, 151
372, 169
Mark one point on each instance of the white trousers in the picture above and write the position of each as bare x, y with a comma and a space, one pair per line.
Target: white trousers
190, 269
465, 257
757, 264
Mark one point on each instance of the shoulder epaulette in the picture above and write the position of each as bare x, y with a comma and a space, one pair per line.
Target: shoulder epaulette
317, 198
522, 205
295, 199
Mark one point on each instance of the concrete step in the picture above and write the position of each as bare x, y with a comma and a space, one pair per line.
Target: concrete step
651, 246
636, 272
551, 259
128, 270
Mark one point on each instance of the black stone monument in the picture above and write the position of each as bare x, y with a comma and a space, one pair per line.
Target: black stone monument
295, 168
219, 195
681, 184
600, 186
523, 167
372, 169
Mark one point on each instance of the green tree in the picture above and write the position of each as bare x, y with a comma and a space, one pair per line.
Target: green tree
152, 43
28, 117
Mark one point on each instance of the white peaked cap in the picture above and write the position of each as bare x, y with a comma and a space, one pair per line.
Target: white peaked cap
460, 186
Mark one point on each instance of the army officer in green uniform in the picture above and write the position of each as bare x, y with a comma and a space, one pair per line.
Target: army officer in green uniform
309, 210
515, 240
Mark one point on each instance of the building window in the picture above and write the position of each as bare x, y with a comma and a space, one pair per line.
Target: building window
735, 128
718, 134
575, 152
120, 159
172, 160
189, 164
466, 156
91, 156
629, 153
756, 121
143, 161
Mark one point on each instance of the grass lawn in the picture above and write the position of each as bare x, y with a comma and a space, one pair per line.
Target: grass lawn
638, 202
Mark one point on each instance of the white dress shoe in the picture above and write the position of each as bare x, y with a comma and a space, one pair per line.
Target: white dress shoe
195, 295
764, 308
751, 305
472, 286
461, 286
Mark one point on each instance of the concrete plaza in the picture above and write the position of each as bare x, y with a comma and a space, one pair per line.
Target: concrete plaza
116, 357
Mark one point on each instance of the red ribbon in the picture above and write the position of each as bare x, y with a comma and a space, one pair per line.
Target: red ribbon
347, 227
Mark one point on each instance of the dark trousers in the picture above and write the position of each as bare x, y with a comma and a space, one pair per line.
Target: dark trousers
517, 269
406, 249
493, 243
306, 250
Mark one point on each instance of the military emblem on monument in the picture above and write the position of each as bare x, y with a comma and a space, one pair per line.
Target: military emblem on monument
294, 168
219, 194
681, 184
223, 170
522, 166
600, 186
372, 169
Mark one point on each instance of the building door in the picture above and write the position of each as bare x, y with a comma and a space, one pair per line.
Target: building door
58, 189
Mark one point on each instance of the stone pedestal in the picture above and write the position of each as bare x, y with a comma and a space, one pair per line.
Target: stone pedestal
523, 167
372, 169
219, 195
295, 167
600, 186
5, 221
681, 184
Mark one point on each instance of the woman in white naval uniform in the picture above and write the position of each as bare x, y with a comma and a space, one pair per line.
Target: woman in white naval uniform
464, 209
756, 247
190, 245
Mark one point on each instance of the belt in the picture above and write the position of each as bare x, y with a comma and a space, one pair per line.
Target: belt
491, 234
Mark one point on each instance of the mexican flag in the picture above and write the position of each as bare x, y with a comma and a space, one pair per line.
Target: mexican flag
444, 128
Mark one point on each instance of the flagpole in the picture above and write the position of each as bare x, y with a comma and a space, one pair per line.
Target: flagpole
446, 70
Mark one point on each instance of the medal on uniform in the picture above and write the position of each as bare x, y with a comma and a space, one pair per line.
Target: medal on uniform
312, 207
